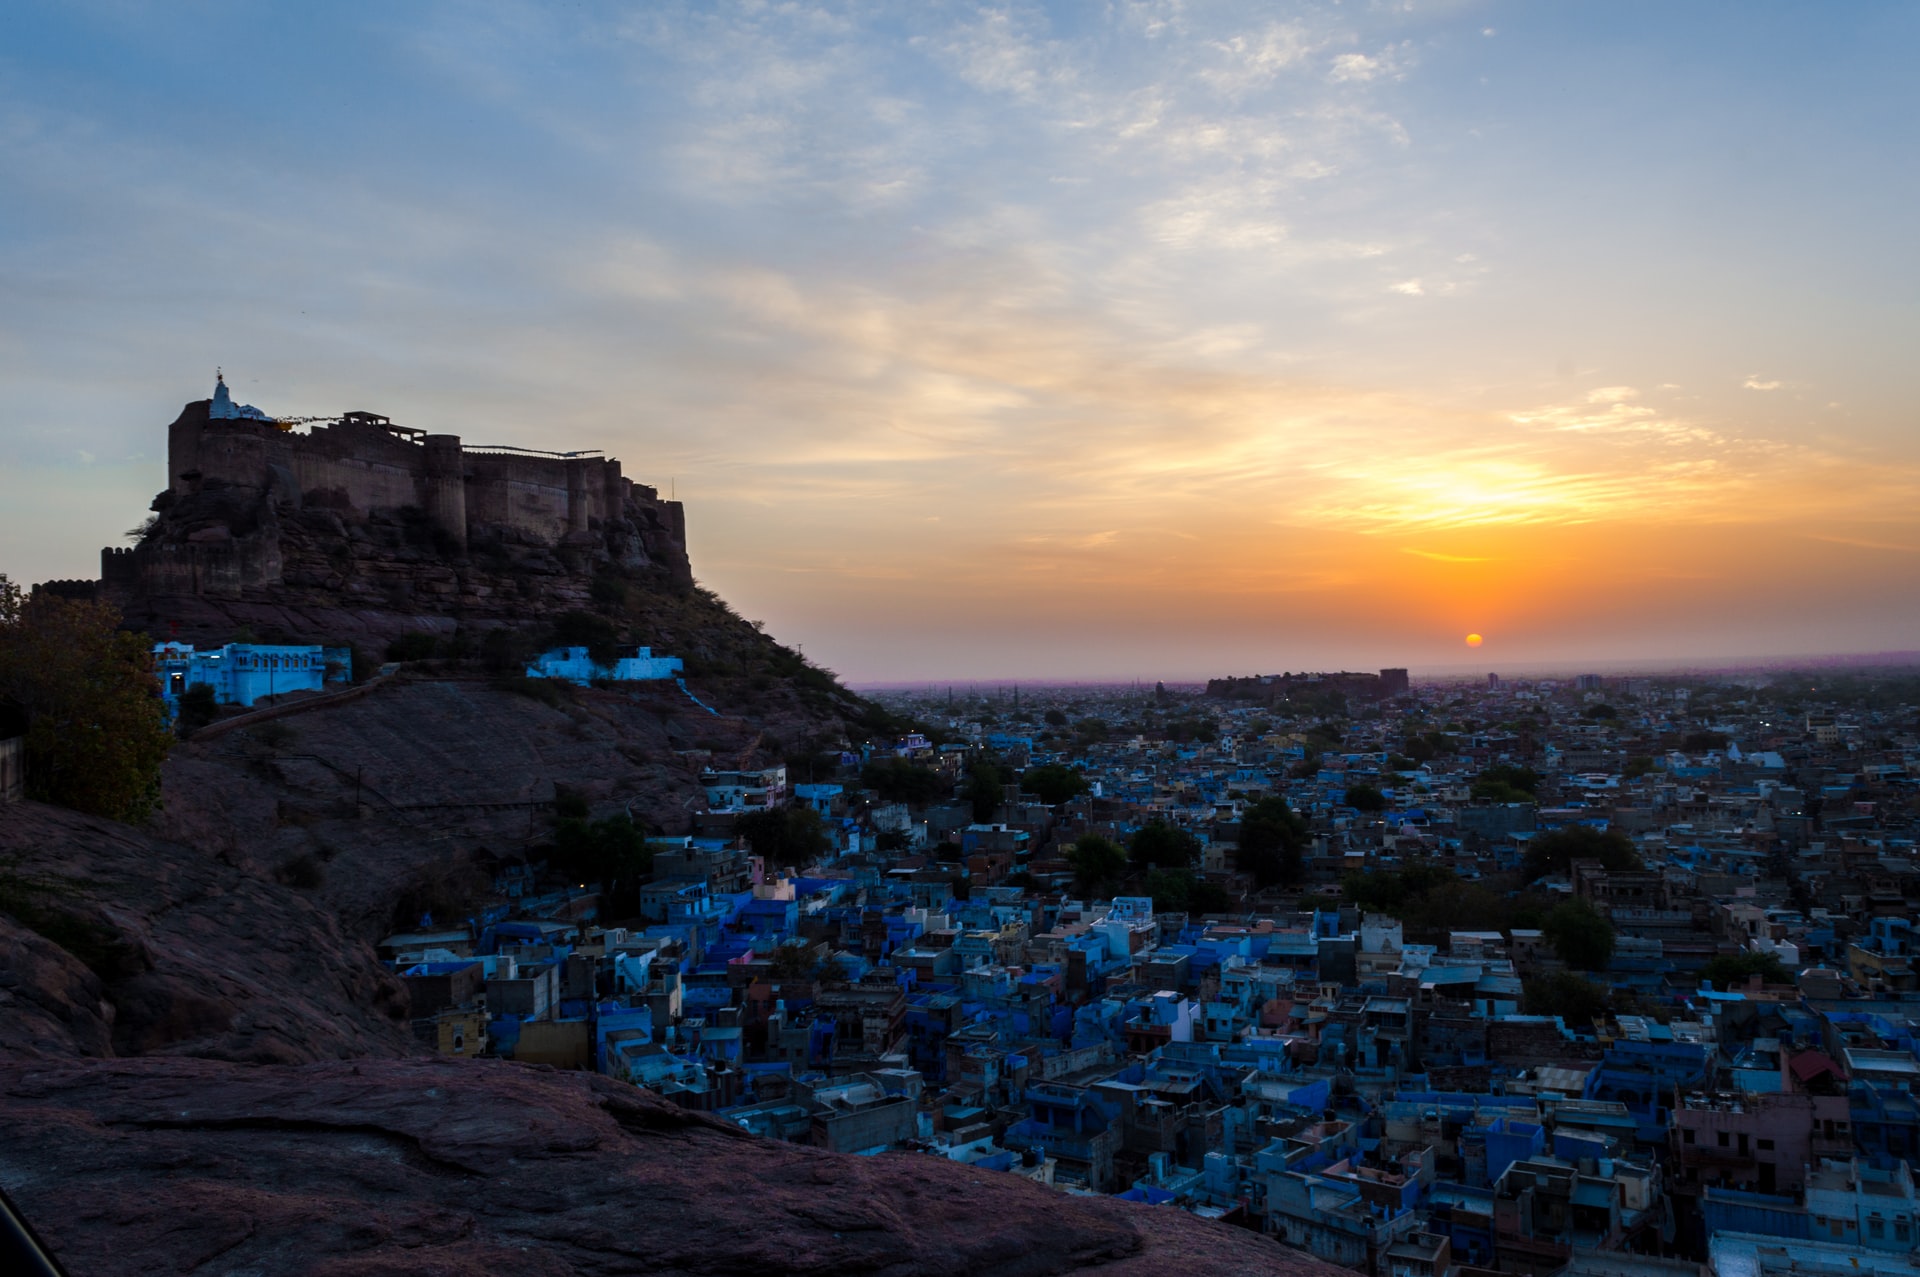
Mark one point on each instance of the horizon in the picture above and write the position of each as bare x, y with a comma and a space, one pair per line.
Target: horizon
984, 342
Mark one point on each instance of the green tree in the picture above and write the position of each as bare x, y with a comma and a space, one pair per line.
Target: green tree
1096, 861
597, 634
1557, 849
1273, 842
898, 781
1158, 843
1574, 998
1183, 891
793, 961
1052, 783
1364, 797
1056, 718
1637, 766
1506, 783
96, 727
985, 781
1580, 936
197, 708
611, 852
1730, 971
785, 835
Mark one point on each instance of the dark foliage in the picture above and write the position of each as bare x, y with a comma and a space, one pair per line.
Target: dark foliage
1159, 844
1052, 783
1273, 842
789, 836
1580, 936
1555, 851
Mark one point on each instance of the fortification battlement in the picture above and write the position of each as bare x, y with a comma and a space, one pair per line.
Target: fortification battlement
361, 463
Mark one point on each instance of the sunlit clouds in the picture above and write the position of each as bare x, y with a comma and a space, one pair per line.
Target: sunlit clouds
1007, 340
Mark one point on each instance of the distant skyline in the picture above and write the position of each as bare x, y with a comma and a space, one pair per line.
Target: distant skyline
1033, 342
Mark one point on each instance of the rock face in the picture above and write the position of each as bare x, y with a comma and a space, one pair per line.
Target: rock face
471, 1167
124, 944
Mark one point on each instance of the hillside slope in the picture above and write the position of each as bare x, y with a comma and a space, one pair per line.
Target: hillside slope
114, 942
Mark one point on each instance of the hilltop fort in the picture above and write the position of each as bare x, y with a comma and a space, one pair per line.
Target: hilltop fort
353, 526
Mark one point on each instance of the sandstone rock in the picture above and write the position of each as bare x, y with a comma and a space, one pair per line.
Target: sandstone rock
474, 1167
183, 953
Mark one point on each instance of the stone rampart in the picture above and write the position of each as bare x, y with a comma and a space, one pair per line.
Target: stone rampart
375, 527
362, 465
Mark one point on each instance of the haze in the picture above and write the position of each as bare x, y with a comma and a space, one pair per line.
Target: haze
1095, 341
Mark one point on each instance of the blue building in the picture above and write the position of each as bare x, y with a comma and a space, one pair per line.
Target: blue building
630, 664
239, 673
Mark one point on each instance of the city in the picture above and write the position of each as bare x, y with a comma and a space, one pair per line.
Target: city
1005, 639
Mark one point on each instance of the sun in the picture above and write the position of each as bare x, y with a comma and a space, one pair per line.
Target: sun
1474, 640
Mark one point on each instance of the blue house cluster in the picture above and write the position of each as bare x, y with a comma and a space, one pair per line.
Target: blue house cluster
947, 981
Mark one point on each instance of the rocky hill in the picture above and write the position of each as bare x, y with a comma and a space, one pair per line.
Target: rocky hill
205, 1068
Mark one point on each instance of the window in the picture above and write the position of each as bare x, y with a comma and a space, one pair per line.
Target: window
1766, 1146
1723, 1139
1876, 1227
1901, 1229
1686, 1136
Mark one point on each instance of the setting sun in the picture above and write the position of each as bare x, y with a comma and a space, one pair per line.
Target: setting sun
1474, 640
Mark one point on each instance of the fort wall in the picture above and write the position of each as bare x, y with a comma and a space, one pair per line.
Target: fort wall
360, 465
321, 530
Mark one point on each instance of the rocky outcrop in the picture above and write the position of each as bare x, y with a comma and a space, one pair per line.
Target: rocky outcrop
473, 1167
113, 942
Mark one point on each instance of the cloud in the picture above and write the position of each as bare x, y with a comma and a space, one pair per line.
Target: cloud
1350, 67
1437, 557
1754, 383
1410, 287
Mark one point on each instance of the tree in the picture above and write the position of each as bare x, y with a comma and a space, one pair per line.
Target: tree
899, 781
1273, 840
1637, 766
1364, 797
612, 852
1181, 891
1053, 784
1158, 843
1506, 783
1730, 971
1580, 936
1055, 718
96, 727
1573, 998
785, 835
1096, 861
1557, 849
984, 783
792, 961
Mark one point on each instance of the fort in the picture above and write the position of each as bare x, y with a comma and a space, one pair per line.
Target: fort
1274, 688
355, 511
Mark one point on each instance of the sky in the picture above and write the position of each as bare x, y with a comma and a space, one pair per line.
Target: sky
1091, 341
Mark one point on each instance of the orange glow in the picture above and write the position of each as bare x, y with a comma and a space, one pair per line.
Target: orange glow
1474, 640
